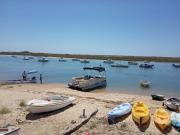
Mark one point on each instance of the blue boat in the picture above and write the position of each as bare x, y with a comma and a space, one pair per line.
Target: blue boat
175, 119
119, 111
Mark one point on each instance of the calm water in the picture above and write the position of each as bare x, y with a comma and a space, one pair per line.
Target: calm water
165, 79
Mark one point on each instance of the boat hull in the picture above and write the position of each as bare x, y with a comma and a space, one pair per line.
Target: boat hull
175, 119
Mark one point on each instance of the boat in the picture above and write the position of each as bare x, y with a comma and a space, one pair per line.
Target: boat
158, 97
32, 80
132, 63
9, 131
146, 65
62, 60
146, 61
176, 65
119, 65
119, 111
49, 104
172, 104
31, 57
43, 59
32, 71
140, 113
175, 119
162, 119
84, 61
26, 58
75, 59
13, 56
145, 83
89, 82
109, 61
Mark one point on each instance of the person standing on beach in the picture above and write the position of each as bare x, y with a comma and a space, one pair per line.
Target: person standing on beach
40, 78
24, 76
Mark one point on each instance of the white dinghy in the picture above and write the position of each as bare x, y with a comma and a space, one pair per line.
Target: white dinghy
49, 104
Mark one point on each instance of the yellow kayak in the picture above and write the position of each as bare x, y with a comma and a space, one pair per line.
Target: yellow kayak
140, 113
162, 118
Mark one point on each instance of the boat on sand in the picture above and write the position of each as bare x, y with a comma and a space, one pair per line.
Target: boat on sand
172, 104
9, 131
49, 104
158, 97
175, 119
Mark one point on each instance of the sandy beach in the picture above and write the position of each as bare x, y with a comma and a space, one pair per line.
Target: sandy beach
57, 122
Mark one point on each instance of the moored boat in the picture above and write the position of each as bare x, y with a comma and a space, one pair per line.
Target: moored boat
75, 59
9, 131
175, 119
176, 65
172, 104
49, 104
146, 65
120, 65
132, 63
162, 119
62, 60
158, 97
43, 59
109, 61
140, 113
119, 111
84, 61
145, 83
26, 58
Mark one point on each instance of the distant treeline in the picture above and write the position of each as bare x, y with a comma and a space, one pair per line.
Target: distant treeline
99, 57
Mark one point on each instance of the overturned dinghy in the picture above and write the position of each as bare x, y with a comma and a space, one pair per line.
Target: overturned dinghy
89, 82
49, 104
9, 131
119, 111
173, 104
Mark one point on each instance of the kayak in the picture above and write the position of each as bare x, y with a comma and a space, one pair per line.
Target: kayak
162, 118
175, 119
140, 113
119, 111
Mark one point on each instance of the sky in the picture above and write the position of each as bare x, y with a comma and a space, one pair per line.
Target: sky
111, 27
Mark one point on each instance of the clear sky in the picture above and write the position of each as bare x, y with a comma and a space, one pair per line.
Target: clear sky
119, 27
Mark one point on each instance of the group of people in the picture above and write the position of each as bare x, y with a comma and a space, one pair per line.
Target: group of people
24, 77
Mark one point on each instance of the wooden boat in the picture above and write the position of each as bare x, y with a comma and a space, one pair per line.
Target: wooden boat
89, 82
158, 97
146, 65
173, 104
49, 104
9, 131
43, 59
175, 119
120, 65
145, 83
140, 113
176, 65
119, 111
109, 61
162, 118
84, 61
132, 63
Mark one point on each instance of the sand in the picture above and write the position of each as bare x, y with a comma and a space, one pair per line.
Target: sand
55, 123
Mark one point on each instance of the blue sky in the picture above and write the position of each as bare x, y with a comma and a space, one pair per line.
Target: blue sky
119, 27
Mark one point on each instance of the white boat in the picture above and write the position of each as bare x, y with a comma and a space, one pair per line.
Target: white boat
175, 119
120, 65
43, 59
119, 111
109, 61
9, 131
145, 83
32, 71
84, 61
132, 63
26, 58
89, 82
62, 60
176, 65
49, 104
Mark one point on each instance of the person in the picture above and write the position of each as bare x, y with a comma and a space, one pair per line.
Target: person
24, 76
40, 78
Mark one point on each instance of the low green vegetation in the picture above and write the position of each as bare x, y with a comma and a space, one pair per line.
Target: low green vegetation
4, 110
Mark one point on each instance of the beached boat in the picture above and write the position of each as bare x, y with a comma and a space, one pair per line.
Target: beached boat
140, 113
146, 65
120, 65
43, 59
32, 80
9, 131
175, 119
49, 104
162, 119
119, 111
109, 61
145, 83
89, 82
62, 60
158, 97
176, 65
172, 104
75, 59
132, 63
84, 61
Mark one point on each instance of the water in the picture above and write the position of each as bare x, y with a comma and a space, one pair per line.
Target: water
165, 78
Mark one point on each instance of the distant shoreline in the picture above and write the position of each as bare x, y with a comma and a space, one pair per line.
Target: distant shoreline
98, 57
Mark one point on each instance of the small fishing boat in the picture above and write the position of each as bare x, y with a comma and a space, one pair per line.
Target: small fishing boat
75, 59
62, 60
43, 59
172, 104
84, 61
145, 83
119, 65
176, 65
89, 82
132, 63
140, 113
162, 119
146, 65
49, 104
9, 131
119, 111
158, 97
175, 119
26, 58
109, 61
